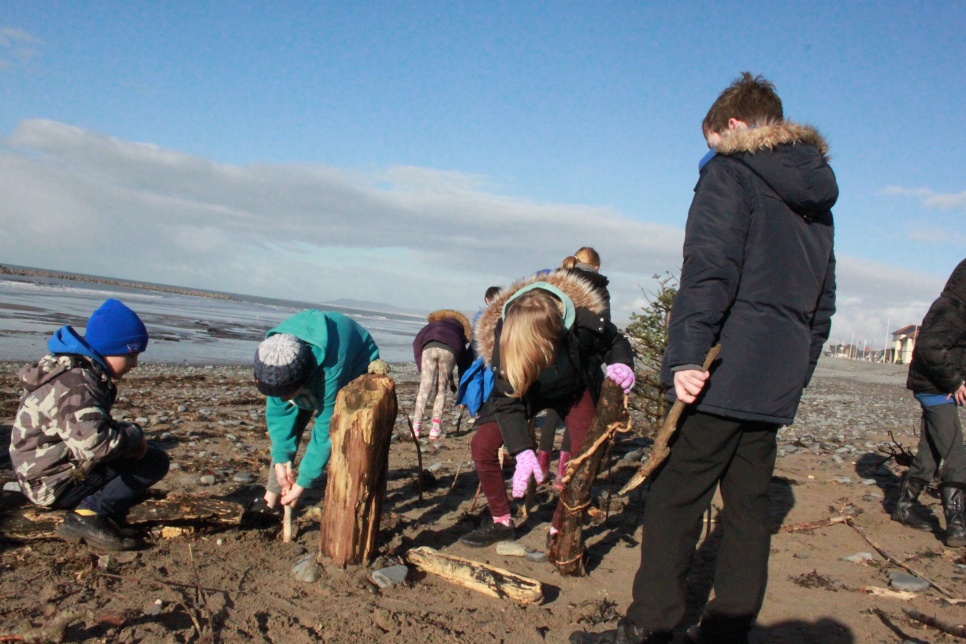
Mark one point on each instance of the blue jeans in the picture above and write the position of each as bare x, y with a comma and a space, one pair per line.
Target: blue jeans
112, 488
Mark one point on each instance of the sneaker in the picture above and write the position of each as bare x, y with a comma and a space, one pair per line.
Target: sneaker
488, 534
416, 427
94, 530
435, 431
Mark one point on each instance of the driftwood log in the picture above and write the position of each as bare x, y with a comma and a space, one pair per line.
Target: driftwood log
20, 520
483, 578
567, 546
362, 423
661, 450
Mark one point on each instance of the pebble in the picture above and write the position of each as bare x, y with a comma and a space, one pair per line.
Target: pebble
902, 581
309, 573
231, 437
174, 466
244, 477
182, 408
11, 486
207, 479
141, 420
165, 435
302, 561
859, 557
154, 608
842, 480
868, 481
536, 556
511, 549
800, 555
391, 576
435, 466
633, 456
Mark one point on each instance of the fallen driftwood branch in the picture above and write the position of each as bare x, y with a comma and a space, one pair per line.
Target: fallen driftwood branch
661, 450
949, 596
21, 520
811, 525
935, 622
481, 577
904, 595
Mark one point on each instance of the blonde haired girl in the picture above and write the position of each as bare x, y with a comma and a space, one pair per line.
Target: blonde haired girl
545, 340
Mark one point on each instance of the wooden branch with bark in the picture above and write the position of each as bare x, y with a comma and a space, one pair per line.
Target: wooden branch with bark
567, 546
478, 576
362, 424
661, 450
21, 520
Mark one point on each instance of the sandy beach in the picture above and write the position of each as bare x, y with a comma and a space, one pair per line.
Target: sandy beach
211, 422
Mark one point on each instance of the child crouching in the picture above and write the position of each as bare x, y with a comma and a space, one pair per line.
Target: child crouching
67, 451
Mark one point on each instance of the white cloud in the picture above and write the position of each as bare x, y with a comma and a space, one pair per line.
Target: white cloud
930, 198
16, 47
81, 201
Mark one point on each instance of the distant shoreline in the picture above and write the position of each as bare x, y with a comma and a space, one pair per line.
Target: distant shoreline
110, 281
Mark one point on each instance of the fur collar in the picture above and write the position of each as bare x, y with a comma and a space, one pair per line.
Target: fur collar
443, 314
581, 292
766, 137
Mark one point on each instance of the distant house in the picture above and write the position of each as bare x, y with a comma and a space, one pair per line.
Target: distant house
903, 342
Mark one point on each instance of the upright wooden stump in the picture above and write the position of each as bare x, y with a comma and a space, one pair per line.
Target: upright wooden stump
361, 427
567, 547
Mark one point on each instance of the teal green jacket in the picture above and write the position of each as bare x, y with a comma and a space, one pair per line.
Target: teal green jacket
343, 350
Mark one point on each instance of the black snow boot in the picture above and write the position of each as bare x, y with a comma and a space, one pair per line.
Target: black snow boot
909, 491
954, 504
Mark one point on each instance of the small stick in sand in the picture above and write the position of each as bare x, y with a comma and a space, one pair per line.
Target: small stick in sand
287, 512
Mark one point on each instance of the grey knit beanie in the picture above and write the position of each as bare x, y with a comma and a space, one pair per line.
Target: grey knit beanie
283, 363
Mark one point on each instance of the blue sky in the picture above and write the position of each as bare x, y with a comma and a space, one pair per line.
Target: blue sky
415, 153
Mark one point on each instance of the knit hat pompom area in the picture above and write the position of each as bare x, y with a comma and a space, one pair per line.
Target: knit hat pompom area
283, 363
115, 330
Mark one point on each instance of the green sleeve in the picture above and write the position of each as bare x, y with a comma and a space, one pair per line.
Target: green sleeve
319, 447
281, 419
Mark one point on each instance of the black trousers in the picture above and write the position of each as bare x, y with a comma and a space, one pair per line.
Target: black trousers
708, 451
112, 488
941, 448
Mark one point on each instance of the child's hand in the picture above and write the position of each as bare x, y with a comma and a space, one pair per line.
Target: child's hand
284, 476
291, 497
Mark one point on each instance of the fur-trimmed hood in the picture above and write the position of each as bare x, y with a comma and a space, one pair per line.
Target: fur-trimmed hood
443, 314
580, 291
766, 137
792, 160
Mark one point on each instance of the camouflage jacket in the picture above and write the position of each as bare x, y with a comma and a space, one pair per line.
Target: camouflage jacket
64, 426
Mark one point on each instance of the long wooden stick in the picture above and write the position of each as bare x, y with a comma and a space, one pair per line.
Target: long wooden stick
935, 622
457, 475
952, 598
660, 450
419, 454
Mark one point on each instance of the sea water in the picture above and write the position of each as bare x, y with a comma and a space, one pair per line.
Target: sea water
187, 329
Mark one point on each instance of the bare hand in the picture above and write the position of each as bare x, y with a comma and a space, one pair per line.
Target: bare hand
271, 498
960, 395
689, 383
284, 476
291, 497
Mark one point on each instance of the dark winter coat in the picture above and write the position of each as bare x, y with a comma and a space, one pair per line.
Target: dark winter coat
599, 282
759, 273
939, 359
590, 342
450, 328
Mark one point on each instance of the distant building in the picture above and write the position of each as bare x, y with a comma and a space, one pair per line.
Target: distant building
903, 342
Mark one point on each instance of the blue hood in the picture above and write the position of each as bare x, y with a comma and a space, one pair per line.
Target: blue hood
67, 340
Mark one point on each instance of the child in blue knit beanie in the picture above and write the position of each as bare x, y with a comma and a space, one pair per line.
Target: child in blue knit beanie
67, 450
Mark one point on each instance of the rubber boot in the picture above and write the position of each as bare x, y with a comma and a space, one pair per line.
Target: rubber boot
909, 491
561, 470
954, 504
543, 459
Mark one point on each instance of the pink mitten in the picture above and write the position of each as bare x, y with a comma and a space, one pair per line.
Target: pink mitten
622, 375
527, 466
